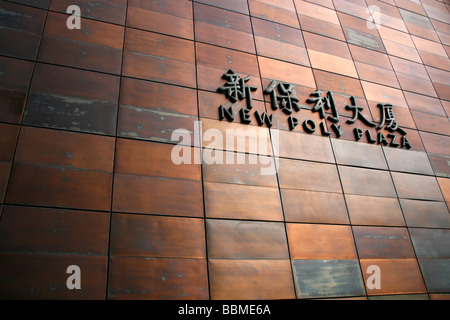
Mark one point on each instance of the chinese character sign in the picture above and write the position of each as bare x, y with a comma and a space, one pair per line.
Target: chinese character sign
283, 96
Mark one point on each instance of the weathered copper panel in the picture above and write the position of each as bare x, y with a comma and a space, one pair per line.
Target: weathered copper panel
8, 138
43, 4
239, 168
425, 104
314, 207
430, 214
21, 25
153, 236
408, 161
90, 107
373, 211
154, 195
282, 11
39, 230
112, 11
302, 175
279, 41
389, 15
366, 182
358, 154
432, 53
383, 94
315, 241
357, 8
5, 168
338, 83
15, 77
411, 186
284, 71
413, 76
223, 28
172, 18
383, 243
419, 25
399, 44
59, 187
318, 19
236, 201
233, 5
19, 281
444, 184
153, 159
435, 143
152, 56
440, 81
138, 278
55, 148
431, 123
62, 169
236, 137
154, 111
234, 239
398, 276
96, 46
329, 55
248, 279
416, 296
373, 66
304, 147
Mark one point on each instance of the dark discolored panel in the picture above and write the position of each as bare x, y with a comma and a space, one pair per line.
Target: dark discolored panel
435, 273
429, 214
431, 243
327, 278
